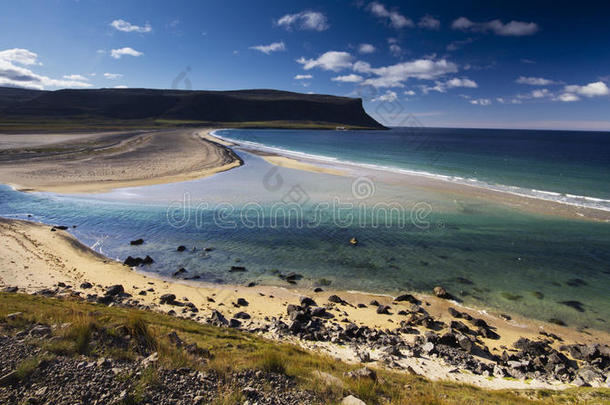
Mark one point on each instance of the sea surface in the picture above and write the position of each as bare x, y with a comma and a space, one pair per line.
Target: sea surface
568, 166
274, 220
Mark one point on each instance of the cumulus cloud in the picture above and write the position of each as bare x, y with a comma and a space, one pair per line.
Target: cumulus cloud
118, 53
388, 96
303, 77
331, 60
351, 78
442, 87
122, 86
396, 75
590, 90
395, 19
541, 93
464, 82
481, 101
126, 26
15, 72
568, 97
409, 92
455, 45
429, 22
305, 20
512, 28
112, 76
267, 49
79, 78
534, 81
366, 48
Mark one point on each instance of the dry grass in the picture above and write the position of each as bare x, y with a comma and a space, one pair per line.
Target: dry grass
232, 350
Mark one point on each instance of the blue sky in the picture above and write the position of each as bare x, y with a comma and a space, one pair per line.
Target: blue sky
534, 64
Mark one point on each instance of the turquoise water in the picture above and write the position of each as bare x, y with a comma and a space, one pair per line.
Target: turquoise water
569, 166
271, 219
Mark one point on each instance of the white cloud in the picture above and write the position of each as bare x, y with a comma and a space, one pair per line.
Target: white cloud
388, 96
117, 53
366, 48
396, 20
267, 49
396, 75
589, 90
464, 82
126, 26
409, 92
351, 78
303, 77
305, 20
122, 86
541, 93
481, 101
502, 100
13, 72
512, 28
534, 81
395, 49
429, 22
455, 45
79, 78
331, 60
112, 76
568, 97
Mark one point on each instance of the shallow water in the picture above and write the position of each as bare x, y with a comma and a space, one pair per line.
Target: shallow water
567, 166
271, 220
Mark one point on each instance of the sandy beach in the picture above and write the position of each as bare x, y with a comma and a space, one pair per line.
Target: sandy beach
32, 257
98, 162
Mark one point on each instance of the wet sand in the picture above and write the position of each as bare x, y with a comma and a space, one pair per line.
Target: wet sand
94, 163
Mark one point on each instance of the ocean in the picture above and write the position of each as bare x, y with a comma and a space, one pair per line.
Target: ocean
275, 220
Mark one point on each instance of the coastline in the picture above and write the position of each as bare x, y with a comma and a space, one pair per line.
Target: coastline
403, 178
103, 162
35, 258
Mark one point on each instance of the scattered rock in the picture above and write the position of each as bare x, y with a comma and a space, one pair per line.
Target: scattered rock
441, 292
181, 248
136, 242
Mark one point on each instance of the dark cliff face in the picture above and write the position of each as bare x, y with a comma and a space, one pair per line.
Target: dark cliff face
210, 106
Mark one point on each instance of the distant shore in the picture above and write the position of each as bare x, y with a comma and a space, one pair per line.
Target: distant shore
99, 162
33, 257
512, 200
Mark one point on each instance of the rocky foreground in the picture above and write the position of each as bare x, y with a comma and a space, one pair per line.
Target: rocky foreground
459, 345
34, 370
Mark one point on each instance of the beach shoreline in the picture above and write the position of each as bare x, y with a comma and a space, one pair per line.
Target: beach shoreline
532, 204
100, 162
35, 258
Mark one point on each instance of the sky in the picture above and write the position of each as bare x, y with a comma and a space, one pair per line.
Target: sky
494, 64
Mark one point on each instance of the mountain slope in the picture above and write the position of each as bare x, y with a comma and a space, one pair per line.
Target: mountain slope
240, 106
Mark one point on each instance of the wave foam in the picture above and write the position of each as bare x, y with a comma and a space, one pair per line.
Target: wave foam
568, 199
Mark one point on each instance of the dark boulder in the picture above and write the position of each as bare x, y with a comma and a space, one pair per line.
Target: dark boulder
115, 290
181, 248
167, 299
336, 299
136, 242
383, 309
408, 298
307, 302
